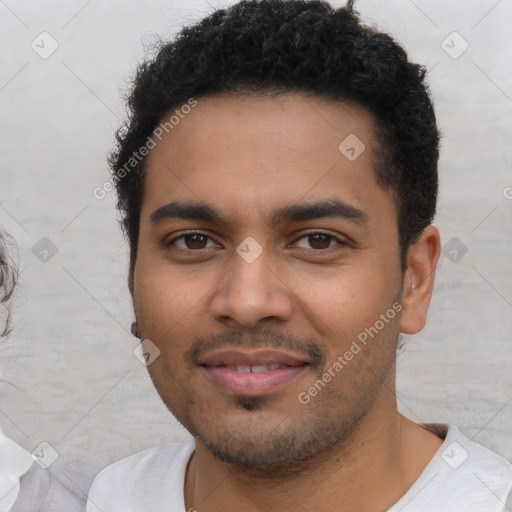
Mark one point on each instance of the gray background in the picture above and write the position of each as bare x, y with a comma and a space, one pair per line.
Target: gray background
70, 376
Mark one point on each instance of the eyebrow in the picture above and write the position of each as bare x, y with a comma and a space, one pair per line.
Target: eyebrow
332, 209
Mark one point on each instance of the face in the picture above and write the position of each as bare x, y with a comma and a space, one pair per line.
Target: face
268, 275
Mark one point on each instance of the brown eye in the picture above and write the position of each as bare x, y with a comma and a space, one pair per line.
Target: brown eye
191, 241
195, 241
318, 241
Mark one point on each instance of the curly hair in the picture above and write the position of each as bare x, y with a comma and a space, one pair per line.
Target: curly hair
8, 277
260, 46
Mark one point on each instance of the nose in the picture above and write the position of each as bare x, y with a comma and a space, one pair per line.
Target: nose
251, 293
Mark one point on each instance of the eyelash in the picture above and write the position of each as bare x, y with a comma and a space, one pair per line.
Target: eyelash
305, 235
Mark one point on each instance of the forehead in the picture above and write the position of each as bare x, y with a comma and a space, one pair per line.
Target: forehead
256, 153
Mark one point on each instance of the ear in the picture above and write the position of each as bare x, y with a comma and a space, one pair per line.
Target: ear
131, 277
135, 330
419, 280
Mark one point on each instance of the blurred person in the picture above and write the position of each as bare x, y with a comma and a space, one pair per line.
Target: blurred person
14, 460
277, 181
24, 485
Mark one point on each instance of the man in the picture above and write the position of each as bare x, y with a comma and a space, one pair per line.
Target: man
277, 182
24, 485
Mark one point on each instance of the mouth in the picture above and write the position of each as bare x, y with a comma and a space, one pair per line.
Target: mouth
252, 373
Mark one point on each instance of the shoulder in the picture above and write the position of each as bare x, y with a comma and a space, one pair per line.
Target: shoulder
459, 453
463, 476
478, 475
141, 478
144, 465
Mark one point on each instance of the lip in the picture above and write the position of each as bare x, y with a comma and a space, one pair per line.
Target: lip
239, 357
216, 367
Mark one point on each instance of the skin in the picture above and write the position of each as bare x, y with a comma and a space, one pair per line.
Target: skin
248, 156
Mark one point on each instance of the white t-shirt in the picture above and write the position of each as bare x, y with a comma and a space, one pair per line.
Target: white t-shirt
463, 476
26, 487
14, 462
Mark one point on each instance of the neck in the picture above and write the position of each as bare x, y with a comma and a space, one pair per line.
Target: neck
370, 472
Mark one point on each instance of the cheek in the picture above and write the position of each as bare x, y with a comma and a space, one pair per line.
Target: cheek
166, 302
165, 299
344, 302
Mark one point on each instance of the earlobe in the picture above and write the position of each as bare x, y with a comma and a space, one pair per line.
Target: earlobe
422, 259
135, 329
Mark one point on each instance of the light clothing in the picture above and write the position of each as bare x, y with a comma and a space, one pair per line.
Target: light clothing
14, 462
42, 491
27, 487
463, 476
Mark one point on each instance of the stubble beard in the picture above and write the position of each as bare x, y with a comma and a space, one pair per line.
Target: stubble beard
308, 438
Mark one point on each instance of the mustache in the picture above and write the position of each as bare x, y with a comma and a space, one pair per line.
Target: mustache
263, 338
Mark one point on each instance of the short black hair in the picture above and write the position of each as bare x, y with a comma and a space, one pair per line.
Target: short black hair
8, 277
260, 46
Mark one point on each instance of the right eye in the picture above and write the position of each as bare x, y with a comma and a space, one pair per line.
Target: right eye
191, 241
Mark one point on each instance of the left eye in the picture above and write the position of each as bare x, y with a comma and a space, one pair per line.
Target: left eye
318, 241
